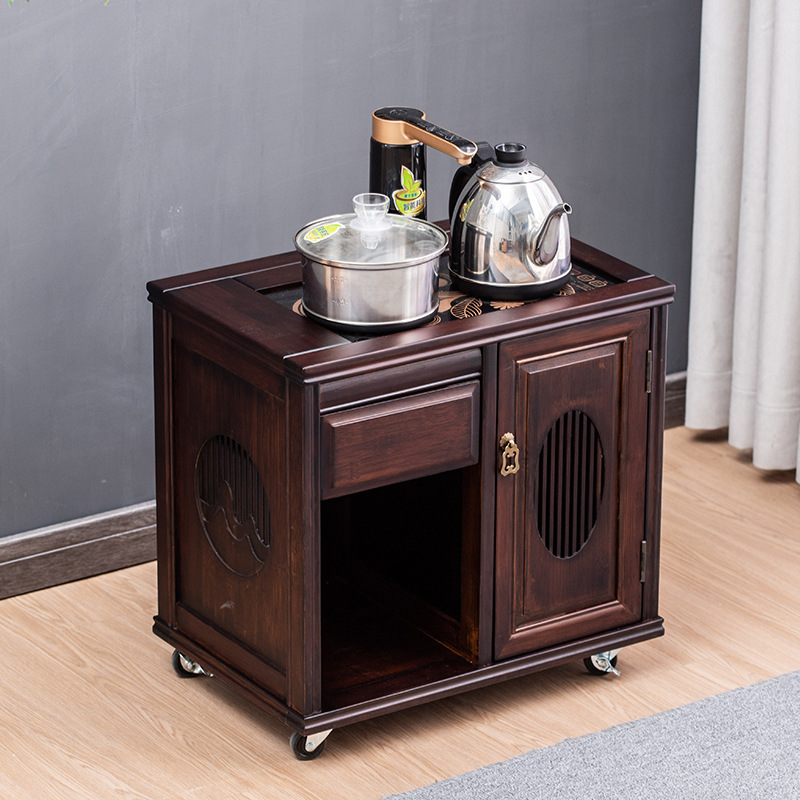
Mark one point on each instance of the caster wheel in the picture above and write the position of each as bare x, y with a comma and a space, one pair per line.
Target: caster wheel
186, 668
304, 749
601, 664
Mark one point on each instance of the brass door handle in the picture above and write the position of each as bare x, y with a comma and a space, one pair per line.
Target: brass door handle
510, 455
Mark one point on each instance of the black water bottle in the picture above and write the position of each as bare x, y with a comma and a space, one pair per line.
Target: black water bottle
397, 156
398, 169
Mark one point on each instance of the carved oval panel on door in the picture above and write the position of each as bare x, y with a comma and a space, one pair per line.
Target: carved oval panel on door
569, 484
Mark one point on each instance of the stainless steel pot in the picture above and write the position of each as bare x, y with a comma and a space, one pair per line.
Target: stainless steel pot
370, 272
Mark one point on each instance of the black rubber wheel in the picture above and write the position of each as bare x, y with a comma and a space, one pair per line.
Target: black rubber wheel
178, 667
298, 744
591, 668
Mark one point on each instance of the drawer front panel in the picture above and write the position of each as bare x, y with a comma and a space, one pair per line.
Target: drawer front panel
398, 440
380, 384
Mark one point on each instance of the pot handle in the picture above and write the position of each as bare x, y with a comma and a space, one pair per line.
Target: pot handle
463, 174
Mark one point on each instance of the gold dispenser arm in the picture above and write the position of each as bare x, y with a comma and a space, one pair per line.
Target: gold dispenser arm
397, 125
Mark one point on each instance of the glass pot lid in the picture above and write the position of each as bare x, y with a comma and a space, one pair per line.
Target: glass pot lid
370, 237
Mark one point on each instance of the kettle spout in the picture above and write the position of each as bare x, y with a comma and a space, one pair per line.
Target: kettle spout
545, 242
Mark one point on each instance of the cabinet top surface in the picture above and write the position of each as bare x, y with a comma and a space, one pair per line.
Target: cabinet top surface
256, 305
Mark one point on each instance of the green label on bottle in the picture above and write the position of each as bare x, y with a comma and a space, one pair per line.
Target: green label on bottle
410, 200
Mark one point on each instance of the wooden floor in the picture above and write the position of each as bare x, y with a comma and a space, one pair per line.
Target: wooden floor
90, 706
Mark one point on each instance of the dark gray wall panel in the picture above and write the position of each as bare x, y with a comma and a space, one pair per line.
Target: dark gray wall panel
145, 139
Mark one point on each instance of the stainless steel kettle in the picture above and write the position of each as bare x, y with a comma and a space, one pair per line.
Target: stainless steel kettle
509, 229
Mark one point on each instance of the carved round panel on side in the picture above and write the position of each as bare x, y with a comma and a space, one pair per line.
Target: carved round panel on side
232, 504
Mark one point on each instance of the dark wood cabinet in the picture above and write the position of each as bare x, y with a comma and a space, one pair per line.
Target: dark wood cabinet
352, 526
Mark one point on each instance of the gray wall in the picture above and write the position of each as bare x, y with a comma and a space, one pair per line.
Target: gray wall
143, 139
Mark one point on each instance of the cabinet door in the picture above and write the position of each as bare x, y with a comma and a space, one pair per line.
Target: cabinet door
570, 521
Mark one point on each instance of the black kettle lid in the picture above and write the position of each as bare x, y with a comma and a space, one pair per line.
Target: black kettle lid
510, 153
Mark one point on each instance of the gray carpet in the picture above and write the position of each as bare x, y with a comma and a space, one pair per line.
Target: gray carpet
743, 743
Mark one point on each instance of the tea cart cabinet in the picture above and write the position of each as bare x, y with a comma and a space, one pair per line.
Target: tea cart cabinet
348, 527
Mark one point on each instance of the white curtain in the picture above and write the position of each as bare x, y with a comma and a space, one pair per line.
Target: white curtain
744, 322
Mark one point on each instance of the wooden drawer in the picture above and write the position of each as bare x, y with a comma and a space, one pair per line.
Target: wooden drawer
382, 384
397, 440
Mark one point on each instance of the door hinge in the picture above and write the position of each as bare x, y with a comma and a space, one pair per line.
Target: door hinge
648, 380
643, 562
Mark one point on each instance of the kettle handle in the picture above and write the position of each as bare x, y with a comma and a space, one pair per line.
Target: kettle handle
463, 174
